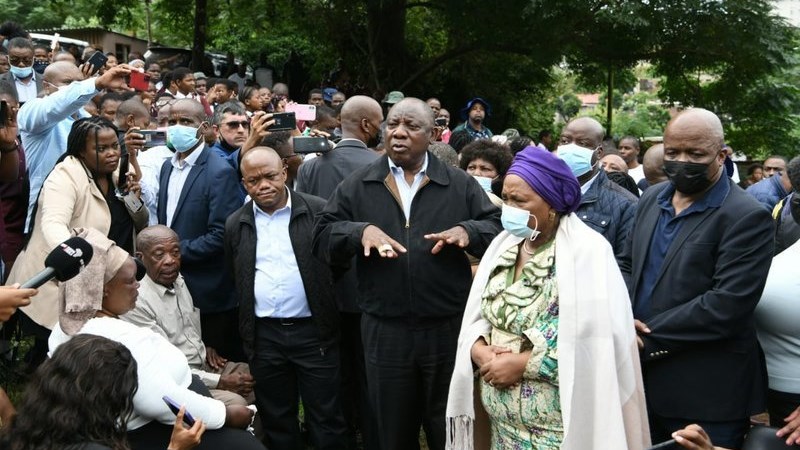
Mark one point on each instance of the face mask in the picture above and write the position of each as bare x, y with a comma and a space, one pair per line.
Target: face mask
375, 140
515, 221
579, 159
182, 138
21, 72
688, 178
485, 182
39, 66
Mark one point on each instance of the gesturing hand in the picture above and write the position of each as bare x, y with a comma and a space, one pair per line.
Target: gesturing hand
454, 236
374, 237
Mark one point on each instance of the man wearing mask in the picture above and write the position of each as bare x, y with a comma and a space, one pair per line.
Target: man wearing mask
695, 266
361, 118
605, 206
197, 192
44, 122
25, 80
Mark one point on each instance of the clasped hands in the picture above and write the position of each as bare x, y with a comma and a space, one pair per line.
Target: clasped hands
374, 237
497, 365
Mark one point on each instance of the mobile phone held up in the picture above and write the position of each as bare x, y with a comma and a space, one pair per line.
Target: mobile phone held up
175, 408
440, 121
310, 144
154, 138
284, 121
97, 60
303, 112
139, 81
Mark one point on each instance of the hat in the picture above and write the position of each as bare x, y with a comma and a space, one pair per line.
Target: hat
511, 133
82, 296
393, 97
200, 76
471, 103
327, 93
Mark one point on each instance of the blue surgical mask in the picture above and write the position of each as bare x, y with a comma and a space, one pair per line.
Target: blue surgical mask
579, 159
515, 221
485, 182
182, 138
21, 72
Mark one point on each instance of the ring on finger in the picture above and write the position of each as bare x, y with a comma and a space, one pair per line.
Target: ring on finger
385, 248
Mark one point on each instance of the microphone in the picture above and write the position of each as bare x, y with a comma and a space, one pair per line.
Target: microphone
63, 263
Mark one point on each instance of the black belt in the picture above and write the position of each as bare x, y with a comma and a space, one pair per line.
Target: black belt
286, 321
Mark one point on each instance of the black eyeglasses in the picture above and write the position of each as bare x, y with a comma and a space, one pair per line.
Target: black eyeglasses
235, 125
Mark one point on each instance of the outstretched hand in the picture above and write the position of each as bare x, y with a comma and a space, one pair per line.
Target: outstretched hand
454, 236
374, 237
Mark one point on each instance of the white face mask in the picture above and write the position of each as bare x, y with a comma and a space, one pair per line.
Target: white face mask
485, 182
579, 159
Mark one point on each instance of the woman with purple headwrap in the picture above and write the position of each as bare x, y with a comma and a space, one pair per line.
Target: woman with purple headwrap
547, 356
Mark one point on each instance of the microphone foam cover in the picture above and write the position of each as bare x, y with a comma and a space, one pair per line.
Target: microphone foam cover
68, 257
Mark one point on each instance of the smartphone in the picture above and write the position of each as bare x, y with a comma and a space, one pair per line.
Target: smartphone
124, 164
310, 144
3, 113
154, 138
139, 81
303, 112
440, 121
97, 60
284, 121
175, 408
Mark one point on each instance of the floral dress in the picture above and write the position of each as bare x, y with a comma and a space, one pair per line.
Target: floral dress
524, 316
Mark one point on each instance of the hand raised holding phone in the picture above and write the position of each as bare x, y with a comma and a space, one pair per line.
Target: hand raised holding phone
185, 438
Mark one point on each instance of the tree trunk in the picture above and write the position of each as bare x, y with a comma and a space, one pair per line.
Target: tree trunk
610, 100
199, 45
387, 43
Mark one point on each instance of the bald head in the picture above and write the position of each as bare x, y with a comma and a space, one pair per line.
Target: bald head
189, 107
132, 110
614, 163
354, 110
60, 71
153, 234
257, 156
700, 125
653, 162
583, 131
415, 105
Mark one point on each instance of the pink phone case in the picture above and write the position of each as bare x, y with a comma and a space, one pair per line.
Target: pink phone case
303, 112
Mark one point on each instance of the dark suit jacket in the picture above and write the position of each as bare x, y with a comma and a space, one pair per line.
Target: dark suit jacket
210, 194
10, 79
240, 254
702, 361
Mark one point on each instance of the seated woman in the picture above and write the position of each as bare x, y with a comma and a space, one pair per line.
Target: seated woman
79, 192
81, 399
488, 162
549, 328
92, 302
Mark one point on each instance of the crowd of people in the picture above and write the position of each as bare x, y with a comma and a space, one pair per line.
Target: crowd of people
492, 290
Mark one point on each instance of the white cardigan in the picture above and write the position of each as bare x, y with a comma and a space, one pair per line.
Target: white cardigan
599, 373
162, 370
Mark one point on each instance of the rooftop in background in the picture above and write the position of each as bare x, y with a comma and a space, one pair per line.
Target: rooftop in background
107, 40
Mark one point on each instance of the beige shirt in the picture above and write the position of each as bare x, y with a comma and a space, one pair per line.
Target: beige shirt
171, 313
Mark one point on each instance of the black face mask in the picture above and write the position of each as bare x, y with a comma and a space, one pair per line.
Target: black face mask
39, 66
375, 140
688, 178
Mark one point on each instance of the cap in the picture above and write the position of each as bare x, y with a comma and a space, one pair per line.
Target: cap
393, 97
327, 93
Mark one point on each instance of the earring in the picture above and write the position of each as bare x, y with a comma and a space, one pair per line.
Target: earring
552, 215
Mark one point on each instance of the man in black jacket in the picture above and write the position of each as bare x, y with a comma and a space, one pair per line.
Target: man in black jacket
696, 265
288, 318
409, 219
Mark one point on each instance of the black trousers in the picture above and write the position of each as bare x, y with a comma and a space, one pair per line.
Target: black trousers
409, 364
780, 405
289, 363
354, 393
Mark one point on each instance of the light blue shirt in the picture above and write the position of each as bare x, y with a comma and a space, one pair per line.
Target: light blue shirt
279, 287
44, 125
588, 184
407, 192
178, 176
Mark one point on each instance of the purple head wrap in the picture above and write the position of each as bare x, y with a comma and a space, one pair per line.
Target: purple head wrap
549, 176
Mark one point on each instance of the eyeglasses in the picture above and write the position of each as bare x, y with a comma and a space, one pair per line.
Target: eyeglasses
235, 125
17, 61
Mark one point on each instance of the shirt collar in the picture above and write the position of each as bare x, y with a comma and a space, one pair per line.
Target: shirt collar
396, 169
191, 160
162, 290
588, 184
713, 198
258, 211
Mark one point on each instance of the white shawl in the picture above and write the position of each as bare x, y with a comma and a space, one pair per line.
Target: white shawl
599, 373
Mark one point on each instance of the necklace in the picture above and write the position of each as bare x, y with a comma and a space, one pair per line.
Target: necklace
525, 247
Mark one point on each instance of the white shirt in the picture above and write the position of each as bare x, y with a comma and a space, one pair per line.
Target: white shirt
26, 92
588, 184
637, 173
407, 192
161, 369
279, 289
150, 162
178, 176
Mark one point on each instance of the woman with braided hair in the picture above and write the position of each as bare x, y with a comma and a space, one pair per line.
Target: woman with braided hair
81, 192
